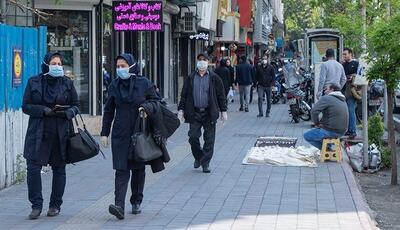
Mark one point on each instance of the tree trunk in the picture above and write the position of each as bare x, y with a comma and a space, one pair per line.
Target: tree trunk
392, 141
363, 4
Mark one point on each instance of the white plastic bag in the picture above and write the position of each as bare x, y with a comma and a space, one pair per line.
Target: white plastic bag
356, 157
231, 94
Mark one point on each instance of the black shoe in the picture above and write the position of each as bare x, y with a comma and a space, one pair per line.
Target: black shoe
53, 212
35, 213
267, 115
136, 209
206, 169
240, 109
117, 211
196, 164
246, 109
259, 115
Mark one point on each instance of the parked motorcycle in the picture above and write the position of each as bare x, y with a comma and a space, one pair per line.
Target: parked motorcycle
299, 108
375, 100
278, 91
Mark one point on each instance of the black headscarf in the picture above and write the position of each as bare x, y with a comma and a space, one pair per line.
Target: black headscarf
50, 85
126, 87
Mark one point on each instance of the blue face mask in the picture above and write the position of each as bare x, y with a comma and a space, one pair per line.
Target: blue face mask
56, 71
123, 73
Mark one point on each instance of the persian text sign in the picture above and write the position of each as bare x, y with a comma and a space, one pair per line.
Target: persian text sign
137, 16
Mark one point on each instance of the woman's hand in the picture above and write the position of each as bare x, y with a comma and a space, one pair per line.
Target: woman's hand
104, 141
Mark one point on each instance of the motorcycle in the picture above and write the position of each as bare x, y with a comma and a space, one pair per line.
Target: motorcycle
299, 108
375, 95
278, 91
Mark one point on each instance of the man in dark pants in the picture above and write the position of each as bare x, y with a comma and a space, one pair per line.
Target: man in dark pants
265, 78
350, 69
202, 101
244, 79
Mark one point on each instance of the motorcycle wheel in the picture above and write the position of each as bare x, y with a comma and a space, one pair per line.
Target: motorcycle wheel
305, 114
294, 111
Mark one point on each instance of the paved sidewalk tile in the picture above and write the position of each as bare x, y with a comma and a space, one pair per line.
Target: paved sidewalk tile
232, 196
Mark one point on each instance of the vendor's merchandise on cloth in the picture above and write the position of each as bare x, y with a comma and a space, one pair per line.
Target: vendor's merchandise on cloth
300, 156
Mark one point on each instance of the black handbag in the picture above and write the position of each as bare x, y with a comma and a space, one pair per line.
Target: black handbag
143, 147
81, 145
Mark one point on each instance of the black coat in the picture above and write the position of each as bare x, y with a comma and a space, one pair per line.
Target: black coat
265, 75
34, 105
124, 115
216, 97
224, 73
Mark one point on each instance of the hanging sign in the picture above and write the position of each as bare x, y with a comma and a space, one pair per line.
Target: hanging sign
137, 16
200, 36
17, 67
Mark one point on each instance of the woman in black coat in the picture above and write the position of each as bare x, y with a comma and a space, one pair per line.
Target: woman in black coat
51, 101
126, 94
224, 73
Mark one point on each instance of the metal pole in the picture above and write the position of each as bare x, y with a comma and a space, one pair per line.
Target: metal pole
365, 125
3, 8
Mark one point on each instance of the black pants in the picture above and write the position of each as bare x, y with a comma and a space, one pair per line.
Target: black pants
261, 91
137, 186
203, 155
34, 181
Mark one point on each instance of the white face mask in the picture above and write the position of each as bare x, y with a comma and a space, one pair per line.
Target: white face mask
202, 65
265, 62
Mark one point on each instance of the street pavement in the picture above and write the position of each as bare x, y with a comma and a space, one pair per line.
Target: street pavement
232, 196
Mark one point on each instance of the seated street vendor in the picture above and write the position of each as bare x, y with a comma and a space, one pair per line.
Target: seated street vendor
335, 116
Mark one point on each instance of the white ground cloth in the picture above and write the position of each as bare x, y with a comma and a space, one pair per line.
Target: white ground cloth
282, 156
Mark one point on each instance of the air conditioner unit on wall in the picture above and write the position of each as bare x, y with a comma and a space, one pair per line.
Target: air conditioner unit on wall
188, 20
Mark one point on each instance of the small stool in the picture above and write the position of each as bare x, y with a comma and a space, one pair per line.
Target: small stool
331, 154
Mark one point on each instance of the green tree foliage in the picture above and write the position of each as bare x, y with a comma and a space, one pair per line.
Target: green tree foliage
384, 59
344, 15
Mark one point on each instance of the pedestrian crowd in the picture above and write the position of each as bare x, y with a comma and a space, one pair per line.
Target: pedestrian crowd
52, 103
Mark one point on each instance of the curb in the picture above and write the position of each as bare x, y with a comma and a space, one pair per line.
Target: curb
364, 212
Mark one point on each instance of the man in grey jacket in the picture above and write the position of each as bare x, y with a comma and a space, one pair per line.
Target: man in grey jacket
332, 72
335, 116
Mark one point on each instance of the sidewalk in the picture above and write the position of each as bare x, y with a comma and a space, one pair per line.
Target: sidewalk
232, 196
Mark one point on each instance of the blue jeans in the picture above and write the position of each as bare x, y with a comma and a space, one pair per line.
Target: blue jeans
315, 136
352, 105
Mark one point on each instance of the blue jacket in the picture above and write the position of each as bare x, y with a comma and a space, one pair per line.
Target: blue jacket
245, 74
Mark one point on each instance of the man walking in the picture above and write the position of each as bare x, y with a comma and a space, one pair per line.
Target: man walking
332, 72
350, 68
265, 78
202, 102
335, 116
244, 78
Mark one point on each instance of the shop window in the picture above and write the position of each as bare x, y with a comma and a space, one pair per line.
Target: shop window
68, 33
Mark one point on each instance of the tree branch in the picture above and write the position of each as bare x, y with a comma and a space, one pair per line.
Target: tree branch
39, 13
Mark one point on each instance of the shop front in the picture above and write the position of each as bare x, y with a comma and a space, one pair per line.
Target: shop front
80, 30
